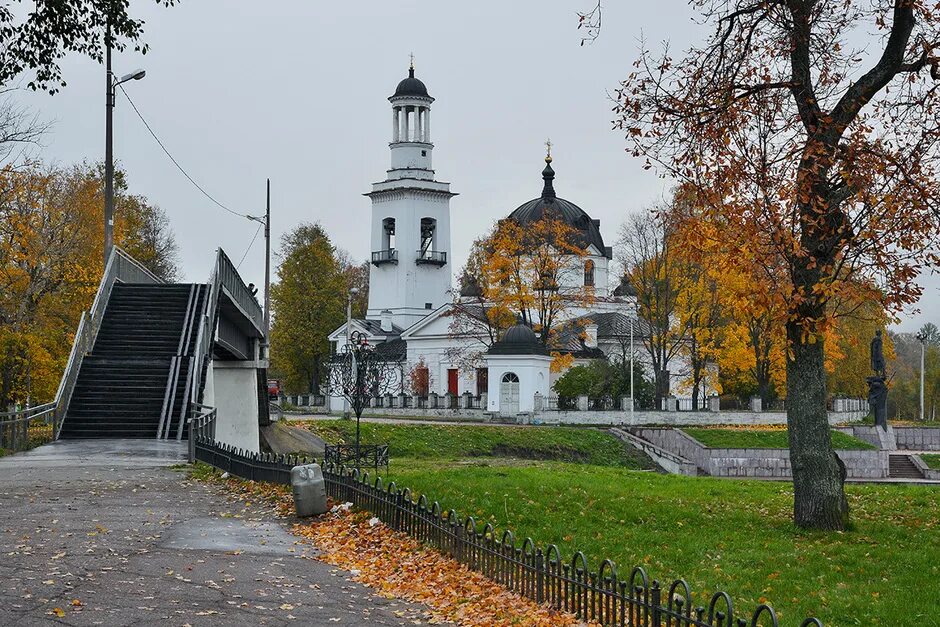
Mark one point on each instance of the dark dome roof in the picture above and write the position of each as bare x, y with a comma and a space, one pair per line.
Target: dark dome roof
549, 204
519, 340
411, 86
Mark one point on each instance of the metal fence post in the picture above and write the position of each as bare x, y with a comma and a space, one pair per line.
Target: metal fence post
539, 576
655, 600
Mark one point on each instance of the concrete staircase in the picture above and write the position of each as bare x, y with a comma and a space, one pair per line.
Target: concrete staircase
137, 370
901, 467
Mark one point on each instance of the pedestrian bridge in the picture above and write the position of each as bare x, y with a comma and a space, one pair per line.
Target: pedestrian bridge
149, 355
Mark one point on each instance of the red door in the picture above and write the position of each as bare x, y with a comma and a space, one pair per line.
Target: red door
452, 381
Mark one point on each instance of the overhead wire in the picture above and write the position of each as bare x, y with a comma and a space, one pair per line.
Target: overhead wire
176, 163
250, 244
192, 180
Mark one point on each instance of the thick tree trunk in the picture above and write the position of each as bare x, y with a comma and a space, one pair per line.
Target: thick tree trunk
818, 474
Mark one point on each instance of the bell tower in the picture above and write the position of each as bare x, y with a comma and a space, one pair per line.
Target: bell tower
410, 272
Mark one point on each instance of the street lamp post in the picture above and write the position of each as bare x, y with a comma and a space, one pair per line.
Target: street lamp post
922, 338
110, 86
352, 292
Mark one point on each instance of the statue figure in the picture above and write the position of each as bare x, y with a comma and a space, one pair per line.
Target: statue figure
877, 355
878, 400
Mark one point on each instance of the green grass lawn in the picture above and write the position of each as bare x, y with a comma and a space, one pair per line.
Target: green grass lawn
932, 461
446, 442
771, 438
718, 534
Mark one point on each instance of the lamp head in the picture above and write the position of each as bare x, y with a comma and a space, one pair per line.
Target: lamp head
354, 290
136, 75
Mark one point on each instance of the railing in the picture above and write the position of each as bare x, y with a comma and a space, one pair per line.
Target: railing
541, 574
231, 281
431, 257
201, 425
364, 455
15, 425
562, 403
384, 256
532, 571
121, 268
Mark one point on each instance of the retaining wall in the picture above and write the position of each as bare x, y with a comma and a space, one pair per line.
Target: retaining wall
918, 438
756, 463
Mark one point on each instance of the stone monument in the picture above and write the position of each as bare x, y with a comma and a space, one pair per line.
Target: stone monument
877, 385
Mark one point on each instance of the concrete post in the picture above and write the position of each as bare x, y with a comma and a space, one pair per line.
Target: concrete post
625, 403
714, 404
432, 400
583, 403
537, 403
756, 404
672, 404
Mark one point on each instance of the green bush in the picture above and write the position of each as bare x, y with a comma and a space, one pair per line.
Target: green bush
601, 378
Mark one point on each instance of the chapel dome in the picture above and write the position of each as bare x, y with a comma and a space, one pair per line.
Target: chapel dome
548, 204
519, 340
411, 86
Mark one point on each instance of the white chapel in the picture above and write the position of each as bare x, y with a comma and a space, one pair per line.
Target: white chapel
411, 298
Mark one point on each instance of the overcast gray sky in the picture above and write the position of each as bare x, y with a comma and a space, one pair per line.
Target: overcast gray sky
242, 90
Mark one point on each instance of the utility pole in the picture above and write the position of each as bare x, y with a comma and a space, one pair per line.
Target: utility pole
108, 149
267, 268
632, 401
109, 97
923, 341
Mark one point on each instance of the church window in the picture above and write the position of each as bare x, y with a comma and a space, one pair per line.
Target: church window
424, 153
428, 229
589, 273
388, 233
510, 377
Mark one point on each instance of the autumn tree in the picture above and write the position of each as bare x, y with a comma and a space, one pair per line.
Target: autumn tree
143, 230
356, 275
811, 151
653, 269
308, 301
51, 242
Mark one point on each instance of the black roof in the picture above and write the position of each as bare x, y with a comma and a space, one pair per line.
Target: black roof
548, 204
393, 350
567, 337
519, 340
625, 288
374, 327
411, 86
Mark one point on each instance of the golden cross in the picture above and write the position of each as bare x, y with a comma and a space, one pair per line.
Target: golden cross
412, 56
548, 147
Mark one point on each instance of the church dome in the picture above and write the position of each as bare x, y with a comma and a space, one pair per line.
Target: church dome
548, 204
411, 86
519, 340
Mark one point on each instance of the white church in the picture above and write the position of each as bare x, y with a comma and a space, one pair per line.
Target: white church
411, 300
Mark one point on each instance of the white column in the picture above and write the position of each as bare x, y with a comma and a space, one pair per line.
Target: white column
395, 124
419, 124
407, 136
427, 125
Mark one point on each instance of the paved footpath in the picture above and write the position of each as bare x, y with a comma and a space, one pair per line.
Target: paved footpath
110, 525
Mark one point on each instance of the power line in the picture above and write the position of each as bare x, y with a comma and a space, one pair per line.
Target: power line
250, 244
176, 163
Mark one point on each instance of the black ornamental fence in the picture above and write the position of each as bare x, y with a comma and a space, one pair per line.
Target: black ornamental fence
600, 595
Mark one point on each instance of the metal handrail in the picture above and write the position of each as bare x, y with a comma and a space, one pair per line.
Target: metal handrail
14, 425
123, 268
206, 329
239, 292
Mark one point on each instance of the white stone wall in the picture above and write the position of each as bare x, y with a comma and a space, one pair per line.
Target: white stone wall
235, 391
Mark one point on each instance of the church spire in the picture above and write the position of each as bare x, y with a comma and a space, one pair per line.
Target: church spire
548, 174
